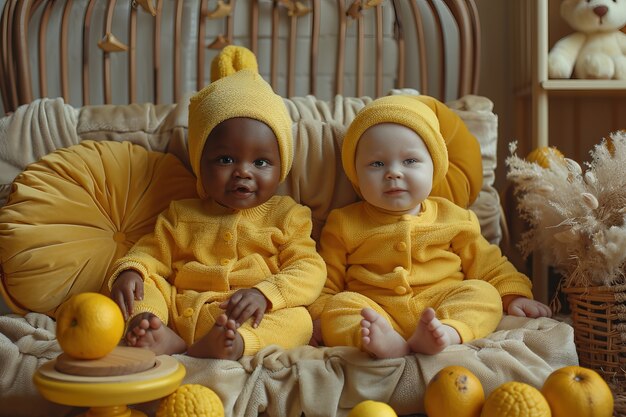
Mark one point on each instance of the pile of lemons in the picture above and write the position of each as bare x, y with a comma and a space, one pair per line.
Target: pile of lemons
456, 391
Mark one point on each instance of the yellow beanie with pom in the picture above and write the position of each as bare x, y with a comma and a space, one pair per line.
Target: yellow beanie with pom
237, 90
404, 110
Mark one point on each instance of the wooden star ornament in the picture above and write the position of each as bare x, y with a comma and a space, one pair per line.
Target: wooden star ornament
109, 43
147, 5
221, 10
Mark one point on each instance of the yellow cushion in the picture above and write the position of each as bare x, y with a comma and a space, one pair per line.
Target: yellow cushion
73, 213
464, 179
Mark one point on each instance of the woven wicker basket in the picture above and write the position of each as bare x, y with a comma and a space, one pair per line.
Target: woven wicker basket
599, 321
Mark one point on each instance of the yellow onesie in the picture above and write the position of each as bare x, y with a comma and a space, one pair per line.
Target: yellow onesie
399, 265
201, 253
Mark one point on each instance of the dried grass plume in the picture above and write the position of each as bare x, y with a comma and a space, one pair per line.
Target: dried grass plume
576, 216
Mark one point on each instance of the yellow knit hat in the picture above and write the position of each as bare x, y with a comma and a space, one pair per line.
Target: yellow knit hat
403, 110
236, 90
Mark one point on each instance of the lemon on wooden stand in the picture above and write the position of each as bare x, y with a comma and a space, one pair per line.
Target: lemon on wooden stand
89, 325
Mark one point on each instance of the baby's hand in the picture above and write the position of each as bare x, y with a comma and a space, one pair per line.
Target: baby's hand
127, 287
244, 304
525, 307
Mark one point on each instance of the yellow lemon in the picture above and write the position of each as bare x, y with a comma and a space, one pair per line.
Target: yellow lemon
516, 399
89, 325
191, 400
454, 391
578, 391
369, 408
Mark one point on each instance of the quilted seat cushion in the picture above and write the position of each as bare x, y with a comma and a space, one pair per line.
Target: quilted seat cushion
73, 213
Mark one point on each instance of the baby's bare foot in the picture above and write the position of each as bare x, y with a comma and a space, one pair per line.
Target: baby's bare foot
147, 331
223, 341
379, 338
431, 336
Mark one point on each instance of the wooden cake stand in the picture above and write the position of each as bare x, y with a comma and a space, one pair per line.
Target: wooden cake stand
107, 385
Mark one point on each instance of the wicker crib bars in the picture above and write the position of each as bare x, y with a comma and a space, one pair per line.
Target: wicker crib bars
127, 51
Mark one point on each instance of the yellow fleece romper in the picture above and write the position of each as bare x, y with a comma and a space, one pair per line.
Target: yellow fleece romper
201, 253
399, 265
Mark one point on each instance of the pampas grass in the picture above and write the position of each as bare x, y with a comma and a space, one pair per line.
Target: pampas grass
576, 216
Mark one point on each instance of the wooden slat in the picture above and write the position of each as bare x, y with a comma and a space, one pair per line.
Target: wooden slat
4, 57
33, 10
379, 51
274, 47
42, 50
422, 53
178, 17
230, 21
63, 50
315, 41
12, 85
359, 55
132, 56
341, 47
156, 63
106, 62
36, 4
443, 61
200, 48
399, 37
20, 42
291, 62
466, 42
86, 49
254, 27
476, 40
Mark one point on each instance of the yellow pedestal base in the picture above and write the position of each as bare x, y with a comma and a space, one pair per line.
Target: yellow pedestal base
113, 411
109, 396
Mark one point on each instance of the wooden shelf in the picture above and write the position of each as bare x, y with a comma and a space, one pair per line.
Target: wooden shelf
584, 85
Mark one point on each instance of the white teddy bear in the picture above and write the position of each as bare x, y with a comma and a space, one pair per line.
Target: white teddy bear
598, 48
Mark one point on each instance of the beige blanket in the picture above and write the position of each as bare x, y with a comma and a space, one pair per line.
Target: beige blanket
324, 382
